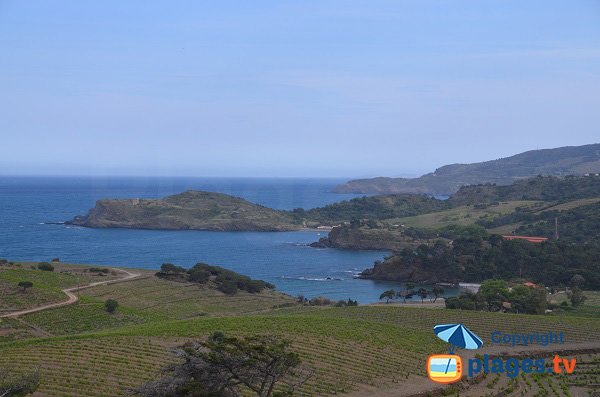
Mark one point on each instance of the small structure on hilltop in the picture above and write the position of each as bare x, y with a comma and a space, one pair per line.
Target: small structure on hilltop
528, 238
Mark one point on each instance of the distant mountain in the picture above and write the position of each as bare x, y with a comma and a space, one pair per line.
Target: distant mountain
568, 160
191, 210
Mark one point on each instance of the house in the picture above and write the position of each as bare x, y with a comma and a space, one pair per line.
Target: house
528, 238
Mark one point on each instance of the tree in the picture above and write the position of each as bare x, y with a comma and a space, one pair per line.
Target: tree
55, 260
528, 300
494, 292
111, 305
230, 367
389, 294
169, 268
576, 296
228, 287
25, 285
577, 281
437, 291
45, 266
422, 294
12, 384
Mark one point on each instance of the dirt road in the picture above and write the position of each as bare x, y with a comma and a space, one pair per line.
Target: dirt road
72, 297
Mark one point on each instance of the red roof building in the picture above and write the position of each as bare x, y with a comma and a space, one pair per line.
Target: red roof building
528, 238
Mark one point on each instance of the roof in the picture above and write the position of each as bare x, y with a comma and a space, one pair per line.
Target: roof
530, 284
528, 238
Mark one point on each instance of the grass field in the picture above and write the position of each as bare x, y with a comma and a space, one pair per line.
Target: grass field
84, 351
464, 215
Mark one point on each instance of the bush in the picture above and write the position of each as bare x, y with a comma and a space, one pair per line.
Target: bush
55, 260
320, 301
98, 270
576, 296
111, 305
169, 268
46, 267
225, 279
25, 285
198, 275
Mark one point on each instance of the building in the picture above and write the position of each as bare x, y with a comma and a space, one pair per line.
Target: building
528, 238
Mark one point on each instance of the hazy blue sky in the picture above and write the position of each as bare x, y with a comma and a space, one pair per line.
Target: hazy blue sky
292, 88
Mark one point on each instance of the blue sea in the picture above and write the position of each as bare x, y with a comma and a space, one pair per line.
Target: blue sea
30, 205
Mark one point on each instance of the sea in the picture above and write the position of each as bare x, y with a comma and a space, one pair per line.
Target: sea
32, 209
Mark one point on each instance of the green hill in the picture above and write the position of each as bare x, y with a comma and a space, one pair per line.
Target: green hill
193, 210
569, 160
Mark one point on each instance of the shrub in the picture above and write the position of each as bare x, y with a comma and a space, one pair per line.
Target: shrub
25, 285
169, 268
225, 279
45, 266
320, 301
198, 275
55, 260
111, 305
576, 296
98, 270
228, 287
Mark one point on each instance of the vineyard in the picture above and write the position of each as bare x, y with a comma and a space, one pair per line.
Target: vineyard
368, 350
46, 285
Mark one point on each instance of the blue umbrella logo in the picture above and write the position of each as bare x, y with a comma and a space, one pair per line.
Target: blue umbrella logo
458, 335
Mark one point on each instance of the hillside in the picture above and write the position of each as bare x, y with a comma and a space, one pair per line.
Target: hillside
191, 210
526, 207
446, 180
538, 188
360, 351
373, 207
477, 259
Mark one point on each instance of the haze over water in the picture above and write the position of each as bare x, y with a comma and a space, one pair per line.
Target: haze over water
282, 258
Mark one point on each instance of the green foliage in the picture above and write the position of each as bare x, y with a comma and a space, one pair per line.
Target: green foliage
546, 188
494, 292
224, 366
226, 281
45, 266
437, 291
475, 259
375, 208
576, 296
319, 301
493, 295
348, 303
169, 268
388, 295
25, 285
99, 270
110, 305
17, 385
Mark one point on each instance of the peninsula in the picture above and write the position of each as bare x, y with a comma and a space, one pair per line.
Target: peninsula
190, 210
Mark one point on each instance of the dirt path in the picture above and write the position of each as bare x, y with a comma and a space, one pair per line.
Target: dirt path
72, 298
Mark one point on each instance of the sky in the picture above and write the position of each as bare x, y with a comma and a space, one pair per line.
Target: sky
291, 88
